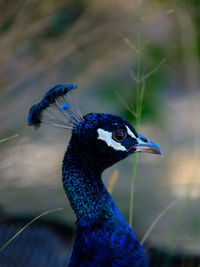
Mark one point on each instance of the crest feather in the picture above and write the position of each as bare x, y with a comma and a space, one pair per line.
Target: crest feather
56, 108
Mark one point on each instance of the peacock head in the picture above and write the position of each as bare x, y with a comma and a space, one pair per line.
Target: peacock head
108, 138
111, 138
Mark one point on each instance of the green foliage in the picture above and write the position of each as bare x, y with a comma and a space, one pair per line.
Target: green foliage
6, 24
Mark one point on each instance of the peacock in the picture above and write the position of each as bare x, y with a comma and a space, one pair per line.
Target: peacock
98, 140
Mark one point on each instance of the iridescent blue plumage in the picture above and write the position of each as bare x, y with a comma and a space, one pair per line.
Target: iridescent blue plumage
64, 107
103, 236
98, 141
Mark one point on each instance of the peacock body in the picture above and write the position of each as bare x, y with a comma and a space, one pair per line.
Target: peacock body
98, 140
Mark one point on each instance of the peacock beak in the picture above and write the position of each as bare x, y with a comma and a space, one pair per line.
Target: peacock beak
145, 145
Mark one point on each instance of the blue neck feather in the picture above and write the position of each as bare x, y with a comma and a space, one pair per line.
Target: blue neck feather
83, 185
103, 236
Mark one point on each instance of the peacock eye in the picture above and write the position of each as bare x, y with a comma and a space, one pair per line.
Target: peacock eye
119, 135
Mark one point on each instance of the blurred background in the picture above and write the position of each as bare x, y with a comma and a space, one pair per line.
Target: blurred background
94, 44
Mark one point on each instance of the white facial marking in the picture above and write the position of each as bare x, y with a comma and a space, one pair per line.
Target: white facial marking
107, 137
130, 132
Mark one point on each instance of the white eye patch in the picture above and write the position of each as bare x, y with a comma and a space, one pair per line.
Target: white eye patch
129, 132
107, 137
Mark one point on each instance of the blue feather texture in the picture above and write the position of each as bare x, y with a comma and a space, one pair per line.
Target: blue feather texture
103, 237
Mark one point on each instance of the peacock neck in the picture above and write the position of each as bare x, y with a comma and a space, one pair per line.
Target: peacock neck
83, 184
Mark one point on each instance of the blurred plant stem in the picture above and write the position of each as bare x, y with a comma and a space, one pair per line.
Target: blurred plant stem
27, 225
139, 78
112, 181
8, 138
139, 99
157, 219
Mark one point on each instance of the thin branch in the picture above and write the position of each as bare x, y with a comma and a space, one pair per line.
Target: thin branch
8, 138
157, 219
133, 76
112, 181
142, 91
150, 73
126, 105
23, 228
169, 11
128, 42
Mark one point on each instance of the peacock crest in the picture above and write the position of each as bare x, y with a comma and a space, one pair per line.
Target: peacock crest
57, 108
